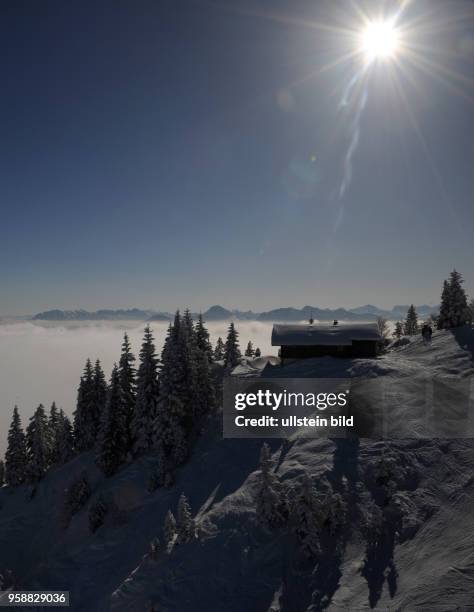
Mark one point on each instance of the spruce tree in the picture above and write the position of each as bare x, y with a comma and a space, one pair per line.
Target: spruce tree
145, 412
219, 350
99, 397
113, 438
65, 439
84, 420
308, 517
411, 322
232, 353
53, 434
458, 310
249, 351
37, 442
258, 352
454, 310
169, 528
2, 473
398, 331
15, 456
128, 384
202, 339
185, 526
177, 389
443, 319
271, 505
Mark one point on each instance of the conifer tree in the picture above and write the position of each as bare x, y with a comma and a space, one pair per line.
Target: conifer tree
99, 397
15, 456
128, 384
308, 517
147, 396
37, 442
411, 322
249, 351
2, 473
232, 353
219, 350
454, 310
458, 310
84, 419
204, 395
258, 352
65, 438
177, 389
202, 339
443, 319
53, 434
398, 331
169, 528
185, 526
271, 505
113, 438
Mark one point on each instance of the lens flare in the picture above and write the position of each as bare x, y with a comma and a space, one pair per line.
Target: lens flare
380, 40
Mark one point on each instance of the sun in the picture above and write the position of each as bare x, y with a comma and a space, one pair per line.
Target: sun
380, 40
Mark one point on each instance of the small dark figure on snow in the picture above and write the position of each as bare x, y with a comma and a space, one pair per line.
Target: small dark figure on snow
426, 332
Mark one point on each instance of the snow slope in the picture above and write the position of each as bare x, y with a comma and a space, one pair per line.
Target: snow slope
234, 565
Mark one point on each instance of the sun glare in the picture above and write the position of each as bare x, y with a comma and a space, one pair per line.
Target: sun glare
380, 40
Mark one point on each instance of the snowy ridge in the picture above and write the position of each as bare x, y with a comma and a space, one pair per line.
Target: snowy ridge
235, 565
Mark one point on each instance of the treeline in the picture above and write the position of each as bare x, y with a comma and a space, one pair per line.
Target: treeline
454, 311
155, 407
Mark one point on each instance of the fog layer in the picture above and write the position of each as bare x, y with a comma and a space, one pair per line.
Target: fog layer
42, 363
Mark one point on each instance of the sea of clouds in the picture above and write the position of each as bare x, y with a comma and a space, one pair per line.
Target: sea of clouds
42, 362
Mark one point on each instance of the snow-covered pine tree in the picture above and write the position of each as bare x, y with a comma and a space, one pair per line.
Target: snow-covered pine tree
454, 310
398, 331
249, 351
219, 350
169, 528
232, 353
65, 438
271, 507
177, 393
443, 318
112, 445
37, 442
128, 384
202, 338
205, 393
15, 456
145, 412
258, 352
2, 473
185, 526
99, 398
53, 434
411, 322
458, 309
307, 517
84, 421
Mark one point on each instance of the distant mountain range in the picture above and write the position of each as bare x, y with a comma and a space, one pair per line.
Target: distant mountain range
219, 313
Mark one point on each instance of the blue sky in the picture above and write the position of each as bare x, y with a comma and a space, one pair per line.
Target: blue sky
173, 153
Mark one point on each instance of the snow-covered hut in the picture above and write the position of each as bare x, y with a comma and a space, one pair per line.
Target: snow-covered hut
338, 340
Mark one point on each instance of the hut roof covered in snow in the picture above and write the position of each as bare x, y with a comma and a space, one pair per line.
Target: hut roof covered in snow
324, 335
